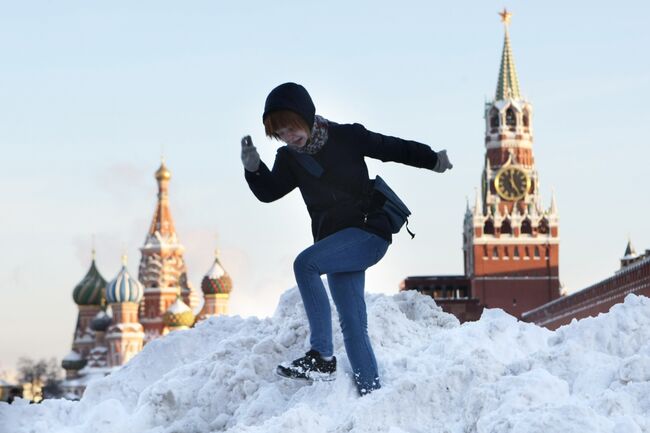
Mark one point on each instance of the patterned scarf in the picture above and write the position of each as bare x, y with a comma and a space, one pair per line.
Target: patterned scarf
318, 137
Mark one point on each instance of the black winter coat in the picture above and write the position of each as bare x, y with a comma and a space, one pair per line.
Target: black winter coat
333, 208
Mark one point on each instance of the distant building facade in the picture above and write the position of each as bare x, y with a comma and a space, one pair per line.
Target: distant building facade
117, 318
9, 391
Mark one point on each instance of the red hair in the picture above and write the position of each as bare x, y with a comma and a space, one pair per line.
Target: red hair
276, 120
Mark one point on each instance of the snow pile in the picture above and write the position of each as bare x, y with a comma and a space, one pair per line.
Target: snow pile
496, 375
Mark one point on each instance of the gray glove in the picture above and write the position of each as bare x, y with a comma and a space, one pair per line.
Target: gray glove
249, 156
443, 162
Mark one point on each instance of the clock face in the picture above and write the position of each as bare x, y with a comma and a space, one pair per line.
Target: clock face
512, 183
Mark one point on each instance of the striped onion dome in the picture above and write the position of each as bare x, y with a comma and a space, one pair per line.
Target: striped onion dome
124, 288
216, 280
178, 315
89, 290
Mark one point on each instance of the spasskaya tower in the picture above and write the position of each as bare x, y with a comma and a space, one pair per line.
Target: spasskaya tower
510, 242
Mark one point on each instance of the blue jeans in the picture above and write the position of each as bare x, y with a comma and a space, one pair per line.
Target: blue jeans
344, 256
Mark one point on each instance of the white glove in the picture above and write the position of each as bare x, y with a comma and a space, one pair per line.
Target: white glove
443, 162
249, 156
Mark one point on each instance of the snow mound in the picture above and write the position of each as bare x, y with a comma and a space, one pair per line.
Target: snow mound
496, 375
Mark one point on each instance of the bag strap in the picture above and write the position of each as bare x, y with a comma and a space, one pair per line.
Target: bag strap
309, 163
313, 167
407, 229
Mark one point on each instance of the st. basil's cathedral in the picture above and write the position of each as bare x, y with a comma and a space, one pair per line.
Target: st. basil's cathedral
117, 318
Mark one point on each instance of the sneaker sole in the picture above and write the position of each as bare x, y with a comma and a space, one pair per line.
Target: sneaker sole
312, 377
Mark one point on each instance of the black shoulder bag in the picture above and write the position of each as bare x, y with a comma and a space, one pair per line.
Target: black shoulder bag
394, 207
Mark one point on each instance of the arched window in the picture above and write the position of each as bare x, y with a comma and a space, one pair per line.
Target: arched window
536, 252
506, 227
494, 118
495, 253
511, 119
516, 253
543, 226
526, 119
488, 228
526, 227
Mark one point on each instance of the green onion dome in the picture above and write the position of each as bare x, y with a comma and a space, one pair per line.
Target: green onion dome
216, 280
124, 288
89, 290
179, 315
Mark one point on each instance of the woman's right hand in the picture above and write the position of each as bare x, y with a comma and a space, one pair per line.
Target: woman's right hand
249, 156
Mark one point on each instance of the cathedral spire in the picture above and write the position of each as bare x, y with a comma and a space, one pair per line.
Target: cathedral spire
508, 84
162, 220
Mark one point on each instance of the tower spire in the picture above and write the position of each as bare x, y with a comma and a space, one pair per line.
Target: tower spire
553, 209
478, 206
508, 84
162, 220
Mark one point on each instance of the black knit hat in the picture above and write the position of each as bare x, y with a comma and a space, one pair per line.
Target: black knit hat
292, 97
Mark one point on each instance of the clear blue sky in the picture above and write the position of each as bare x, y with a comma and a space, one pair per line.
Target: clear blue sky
91, 92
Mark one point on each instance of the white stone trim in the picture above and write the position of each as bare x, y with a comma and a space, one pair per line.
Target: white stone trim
503, 240
516, 278
149, 290
508, 143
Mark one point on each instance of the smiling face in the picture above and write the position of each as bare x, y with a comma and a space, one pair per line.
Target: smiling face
287, 126
294, 137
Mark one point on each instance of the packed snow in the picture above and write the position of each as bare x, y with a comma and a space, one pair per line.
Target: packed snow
496, 375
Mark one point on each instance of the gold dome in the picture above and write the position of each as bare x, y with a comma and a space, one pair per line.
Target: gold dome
163, 173
179, 315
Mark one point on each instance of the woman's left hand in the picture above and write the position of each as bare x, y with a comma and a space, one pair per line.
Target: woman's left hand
443, 162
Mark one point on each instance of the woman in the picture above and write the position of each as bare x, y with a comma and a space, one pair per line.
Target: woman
351, 232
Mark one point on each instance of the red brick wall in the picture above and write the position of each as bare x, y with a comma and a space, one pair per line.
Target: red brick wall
515, 295
465, 310
595, 299
515, 285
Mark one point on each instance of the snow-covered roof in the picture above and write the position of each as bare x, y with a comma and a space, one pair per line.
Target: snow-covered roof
216, 270
72, 356
179, 315
216, 280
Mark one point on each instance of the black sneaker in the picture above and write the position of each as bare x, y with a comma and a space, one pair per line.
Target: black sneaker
311, 367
